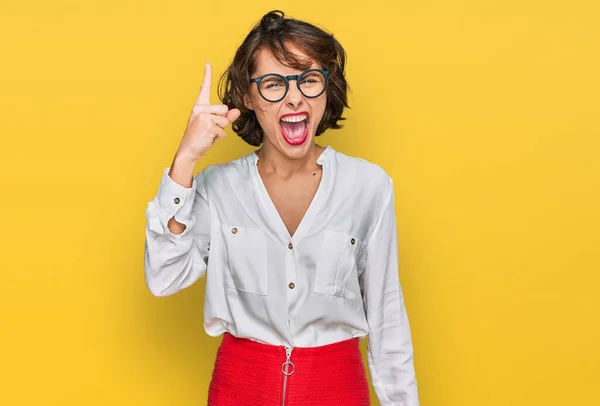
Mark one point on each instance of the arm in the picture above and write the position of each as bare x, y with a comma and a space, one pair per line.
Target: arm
389, 347
175, 260
178, 227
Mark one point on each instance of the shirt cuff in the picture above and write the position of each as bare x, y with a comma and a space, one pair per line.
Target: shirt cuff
175, 198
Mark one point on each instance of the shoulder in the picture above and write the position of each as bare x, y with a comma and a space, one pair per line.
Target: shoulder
218, 175
366, 176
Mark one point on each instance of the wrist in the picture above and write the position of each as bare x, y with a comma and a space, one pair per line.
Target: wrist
182, 170
183, 158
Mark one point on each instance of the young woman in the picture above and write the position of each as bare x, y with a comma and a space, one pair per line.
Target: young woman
298, 241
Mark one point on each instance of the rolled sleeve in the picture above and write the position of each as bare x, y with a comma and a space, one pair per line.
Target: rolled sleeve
175, 198
173, 262
172, 200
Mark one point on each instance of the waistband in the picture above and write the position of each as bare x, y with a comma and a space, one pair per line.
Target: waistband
326, 351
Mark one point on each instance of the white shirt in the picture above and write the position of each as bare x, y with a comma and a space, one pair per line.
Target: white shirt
336, 278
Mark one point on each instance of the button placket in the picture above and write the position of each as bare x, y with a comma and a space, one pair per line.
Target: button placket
291, 278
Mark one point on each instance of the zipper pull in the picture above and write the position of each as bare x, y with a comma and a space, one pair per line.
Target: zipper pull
284, 369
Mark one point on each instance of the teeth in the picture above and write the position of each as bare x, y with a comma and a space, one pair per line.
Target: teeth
295, 119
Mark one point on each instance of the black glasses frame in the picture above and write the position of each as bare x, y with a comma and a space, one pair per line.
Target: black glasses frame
286, 79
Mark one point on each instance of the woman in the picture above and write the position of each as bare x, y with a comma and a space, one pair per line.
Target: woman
301, 238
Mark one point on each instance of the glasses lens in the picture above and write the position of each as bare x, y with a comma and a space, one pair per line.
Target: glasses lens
312, 83
272, 87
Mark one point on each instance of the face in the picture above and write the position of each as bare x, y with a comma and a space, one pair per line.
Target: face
289, 125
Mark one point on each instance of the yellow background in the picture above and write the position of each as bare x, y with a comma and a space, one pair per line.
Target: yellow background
484, 113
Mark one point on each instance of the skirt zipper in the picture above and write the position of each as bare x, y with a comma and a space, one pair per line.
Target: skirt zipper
285, 369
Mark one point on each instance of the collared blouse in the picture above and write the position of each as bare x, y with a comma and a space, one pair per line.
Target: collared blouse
335, 278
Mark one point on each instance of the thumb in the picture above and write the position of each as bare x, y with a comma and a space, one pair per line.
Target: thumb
233, 115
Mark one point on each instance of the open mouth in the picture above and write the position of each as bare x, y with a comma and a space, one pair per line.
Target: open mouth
294, 127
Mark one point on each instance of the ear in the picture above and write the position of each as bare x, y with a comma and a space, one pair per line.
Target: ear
248, 103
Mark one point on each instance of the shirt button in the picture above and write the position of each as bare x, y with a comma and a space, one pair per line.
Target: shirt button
234, 230
176, 200
352, 241
291, 285
290, 246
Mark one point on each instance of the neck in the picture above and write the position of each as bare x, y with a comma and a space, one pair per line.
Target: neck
273, 161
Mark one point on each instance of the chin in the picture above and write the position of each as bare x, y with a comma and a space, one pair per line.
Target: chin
298, 149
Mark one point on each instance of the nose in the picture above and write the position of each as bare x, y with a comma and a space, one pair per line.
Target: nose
293, 97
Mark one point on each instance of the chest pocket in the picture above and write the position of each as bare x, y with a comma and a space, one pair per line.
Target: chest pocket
247, 259
339, 262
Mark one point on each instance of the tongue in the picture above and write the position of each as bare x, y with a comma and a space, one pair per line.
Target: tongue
293, 131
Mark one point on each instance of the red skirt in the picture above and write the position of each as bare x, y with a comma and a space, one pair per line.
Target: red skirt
249, 373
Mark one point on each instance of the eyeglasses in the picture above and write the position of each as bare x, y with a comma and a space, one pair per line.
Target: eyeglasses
273, 87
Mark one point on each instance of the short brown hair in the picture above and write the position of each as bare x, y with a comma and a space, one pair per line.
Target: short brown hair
273, 32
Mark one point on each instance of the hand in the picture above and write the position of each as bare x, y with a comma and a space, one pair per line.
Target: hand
206, 123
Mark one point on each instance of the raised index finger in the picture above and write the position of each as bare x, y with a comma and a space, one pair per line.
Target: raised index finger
204, 96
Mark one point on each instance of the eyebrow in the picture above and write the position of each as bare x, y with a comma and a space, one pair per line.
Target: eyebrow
283, 74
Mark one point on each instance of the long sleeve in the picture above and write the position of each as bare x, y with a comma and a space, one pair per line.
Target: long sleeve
389, 346
175, 261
